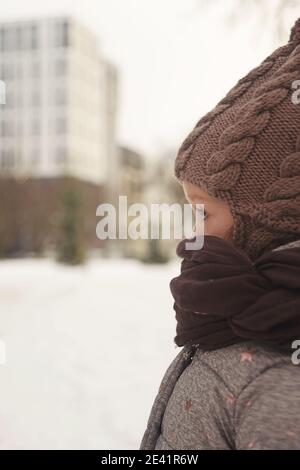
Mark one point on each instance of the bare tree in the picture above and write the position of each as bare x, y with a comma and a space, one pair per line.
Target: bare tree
273, 10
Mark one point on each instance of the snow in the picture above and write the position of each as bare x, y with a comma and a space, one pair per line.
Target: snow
86, 349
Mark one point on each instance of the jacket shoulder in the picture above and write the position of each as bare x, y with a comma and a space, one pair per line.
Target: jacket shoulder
240, 364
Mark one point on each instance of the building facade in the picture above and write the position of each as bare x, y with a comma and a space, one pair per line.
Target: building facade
132, 185
61, 102
58, 112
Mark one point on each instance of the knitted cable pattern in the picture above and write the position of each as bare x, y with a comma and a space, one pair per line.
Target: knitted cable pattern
282, 198
295, 32
236, 143
236, 92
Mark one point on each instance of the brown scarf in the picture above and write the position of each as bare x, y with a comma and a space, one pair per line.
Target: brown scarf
222, 297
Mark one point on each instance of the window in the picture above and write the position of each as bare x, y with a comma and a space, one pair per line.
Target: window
10, 159
35, 69
60, 155
36, 127
20, 128
61, 126
60, 97
60, 67
2, 92
3, 159
19, 38
20, 100
10, 99
7, 159
3, 128
5, 43
62, 34
7, 129
35, 156
19, 71
33, 37
2, 41
35, 99
65, 34
7, 71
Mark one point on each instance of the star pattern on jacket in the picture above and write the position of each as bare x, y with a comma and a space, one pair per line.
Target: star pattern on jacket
246, 356
188, 404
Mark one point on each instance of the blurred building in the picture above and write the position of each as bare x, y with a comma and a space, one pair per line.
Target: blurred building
163, 188
57, 127
60, 101
149, 181
132, 179
132, 185
110, 121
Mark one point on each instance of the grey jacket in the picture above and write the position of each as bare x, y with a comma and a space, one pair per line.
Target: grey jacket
245, 396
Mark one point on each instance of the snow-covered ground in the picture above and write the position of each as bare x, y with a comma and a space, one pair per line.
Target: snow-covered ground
86, 349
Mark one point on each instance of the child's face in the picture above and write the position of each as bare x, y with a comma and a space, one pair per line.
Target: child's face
218, 218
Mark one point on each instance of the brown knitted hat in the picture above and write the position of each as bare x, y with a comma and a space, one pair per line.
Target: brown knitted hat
247, 151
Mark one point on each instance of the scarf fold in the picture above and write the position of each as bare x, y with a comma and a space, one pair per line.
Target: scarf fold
221, 297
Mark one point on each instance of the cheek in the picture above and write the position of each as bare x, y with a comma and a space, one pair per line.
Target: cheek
220, 225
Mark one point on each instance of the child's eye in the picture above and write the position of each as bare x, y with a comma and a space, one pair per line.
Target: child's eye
202, 213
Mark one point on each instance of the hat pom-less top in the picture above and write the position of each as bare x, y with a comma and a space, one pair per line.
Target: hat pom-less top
295, 32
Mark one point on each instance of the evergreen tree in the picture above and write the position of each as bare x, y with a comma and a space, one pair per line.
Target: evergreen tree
70, 246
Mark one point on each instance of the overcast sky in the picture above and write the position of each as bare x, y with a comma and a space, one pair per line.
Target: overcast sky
176, 59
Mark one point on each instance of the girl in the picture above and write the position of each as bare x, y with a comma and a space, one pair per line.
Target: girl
236, 384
